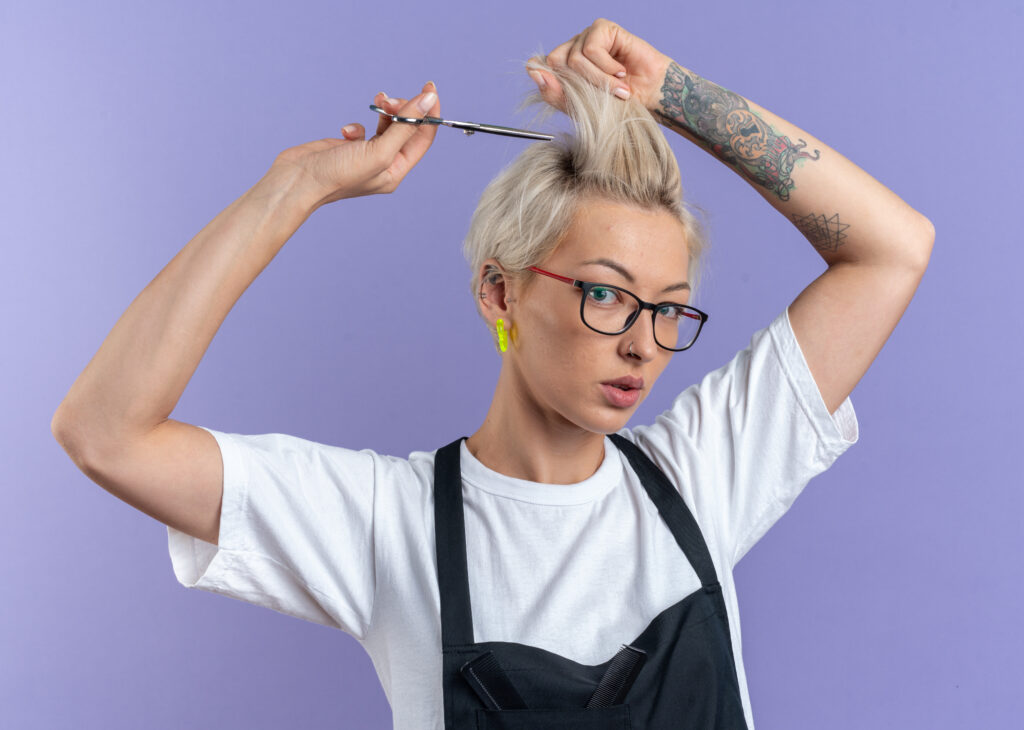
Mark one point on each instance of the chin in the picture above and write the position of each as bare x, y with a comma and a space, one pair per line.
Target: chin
611, 423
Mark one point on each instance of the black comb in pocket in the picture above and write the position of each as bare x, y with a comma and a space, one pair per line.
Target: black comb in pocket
618, 677
490, 682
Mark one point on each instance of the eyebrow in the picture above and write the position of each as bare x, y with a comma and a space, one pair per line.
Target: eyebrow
629, 277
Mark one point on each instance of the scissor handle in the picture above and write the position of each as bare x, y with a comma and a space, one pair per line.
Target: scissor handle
407, 120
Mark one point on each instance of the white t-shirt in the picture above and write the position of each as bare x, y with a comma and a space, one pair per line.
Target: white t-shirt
345, 538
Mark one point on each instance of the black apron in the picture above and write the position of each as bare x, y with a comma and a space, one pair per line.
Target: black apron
679, 673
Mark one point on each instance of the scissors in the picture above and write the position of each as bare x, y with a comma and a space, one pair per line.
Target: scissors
466, 127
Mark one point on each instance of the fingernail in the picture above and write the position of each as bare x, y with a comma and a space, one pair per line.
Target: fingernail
431, 84
537, 79
621, 74
349, 129
622, 93
391, 102
426, 102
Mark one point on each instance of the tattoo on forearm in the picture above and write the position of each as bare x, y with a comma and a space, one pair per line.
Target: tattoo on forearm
730, 129
824, 233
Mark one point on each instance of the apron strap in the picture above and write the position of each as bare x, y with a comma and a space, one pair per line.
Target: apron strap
673, 509
450, 547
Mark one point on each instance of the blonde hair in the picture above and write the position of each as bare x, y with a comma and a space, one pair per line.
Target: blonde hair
618, 153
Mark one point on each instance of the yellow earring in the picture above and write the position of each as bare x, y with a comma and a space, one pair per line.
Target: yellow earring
502, 336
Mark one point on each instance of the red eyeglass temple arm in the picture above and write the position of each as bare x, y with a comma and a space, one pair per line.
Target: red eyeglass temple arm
553, 276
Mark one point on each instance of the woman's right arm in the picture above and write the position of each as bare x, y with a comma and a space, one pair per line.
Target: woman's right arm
114, 421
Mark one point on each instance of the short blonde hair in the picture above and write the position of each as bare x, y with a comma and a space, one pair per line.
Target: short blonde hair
618, 153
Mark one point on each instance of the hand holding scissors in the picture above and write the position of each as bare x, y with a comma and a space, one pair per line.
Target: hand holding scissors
332, 169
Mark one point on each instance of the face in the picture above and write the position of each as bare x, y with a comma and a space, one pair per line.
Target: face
557, 363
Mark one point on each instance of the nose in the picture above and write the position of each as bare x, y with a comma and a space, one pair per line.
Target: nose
641, 335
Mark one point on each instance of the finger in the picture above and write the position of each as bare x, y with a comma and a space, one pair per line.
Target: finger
580, 61
599, 46
391, 106
550, 90
403, 144
382, 121
558, 57
353, 131
413, 150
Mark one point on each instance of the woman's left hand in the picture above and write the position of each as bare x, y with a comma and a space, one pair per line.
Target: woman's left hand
607, 51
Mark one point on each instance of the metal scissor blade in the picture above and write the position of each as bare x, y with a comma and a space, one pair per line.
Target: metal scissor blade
470, 127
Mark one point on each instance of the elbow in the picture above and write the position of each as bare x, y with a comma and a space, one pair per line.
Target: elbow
924, 241
64, 430
57, 427
59, 424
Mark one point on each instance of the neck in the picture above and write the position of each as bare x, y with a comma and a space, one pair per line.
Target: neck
522, 440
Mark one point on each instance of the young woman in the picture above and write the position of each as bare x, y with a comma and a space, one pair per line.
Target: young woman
556, 568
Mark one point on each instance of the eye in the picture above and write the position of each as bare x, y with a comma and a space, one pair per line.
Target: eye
676, 312
603, 295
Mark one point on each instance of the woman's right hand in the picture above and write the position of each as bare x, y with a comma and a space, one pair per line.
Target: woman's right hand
333, 169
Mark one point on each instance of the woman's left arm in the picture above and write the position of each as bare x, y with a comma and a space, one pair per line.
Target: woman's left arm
876, 246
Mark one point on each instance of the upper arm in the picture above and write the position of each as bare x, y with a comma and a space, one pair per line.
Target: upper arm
173, 473
842, 319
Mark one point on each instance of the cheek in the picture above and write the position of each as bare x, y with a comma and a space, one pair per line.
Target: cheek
562, 357
576, 347
554, 332
563, 360
583, 361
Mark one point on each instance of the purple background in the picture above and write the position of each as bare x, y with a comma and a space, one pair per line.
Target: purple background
890, 594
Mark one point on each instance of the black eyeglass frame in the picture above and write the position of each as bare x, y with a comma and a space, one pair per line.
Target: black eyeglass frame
586, 286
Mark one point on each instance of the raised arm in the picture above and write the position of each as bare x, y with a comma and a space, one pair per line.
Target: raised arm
115, 421
876, 246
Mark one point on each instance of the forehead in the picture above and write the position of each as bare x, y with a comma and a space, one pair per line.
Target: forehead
651, 244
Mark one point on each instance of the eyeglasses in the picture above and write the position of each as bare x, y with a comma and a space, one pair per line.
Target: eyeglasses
466, 127
611, 310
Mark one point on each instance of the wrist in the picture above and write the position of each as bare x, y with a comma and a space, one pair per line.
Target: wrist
289, 186
664, 69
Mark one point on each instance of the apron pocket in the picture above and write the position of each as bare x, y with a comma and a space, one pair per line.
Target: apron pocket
615, 717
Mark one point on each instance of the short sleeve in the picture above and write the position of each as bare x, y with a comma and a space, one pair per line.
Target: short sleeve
750, 437
296, 531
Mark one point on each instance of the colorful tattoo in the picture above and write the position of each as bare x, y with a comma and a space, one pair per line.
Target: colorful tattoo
825, 234
730, 129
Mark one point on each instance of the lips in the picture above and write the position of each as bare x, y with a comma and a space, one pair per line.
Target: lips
619, 398
628, 382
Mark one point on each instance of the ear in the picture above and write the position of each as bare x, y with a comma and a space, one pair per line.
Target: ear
495, 290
